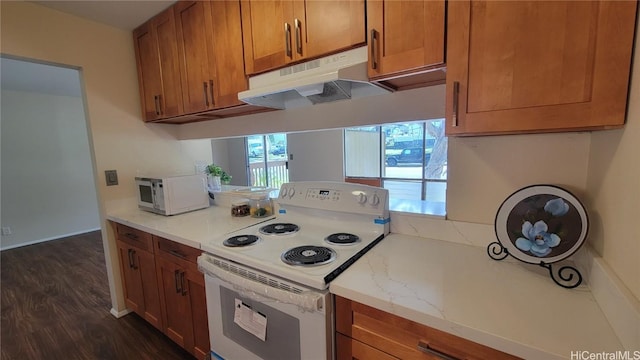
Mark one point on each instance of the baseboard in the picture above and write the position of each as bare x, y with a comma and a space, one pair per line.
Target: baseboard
47, 239
119, 314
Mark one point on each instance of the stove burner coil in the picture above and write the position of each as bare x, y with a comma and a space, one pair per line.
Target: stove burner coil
240, 240
342, 239
279, 229
308, 255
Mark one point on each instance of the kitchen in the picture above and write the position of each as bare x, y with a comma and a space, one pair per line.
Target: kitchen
601, 166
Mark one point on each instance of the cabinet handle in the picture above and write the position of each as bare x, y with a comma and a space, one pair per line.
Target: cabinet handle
374, 49
182, 287
456, 95
177, 253
130, 258
287, 39
176, 278
159, 105
155, 102
133, 260
425, 348
131, 236
298, 26
211, 90
205, 93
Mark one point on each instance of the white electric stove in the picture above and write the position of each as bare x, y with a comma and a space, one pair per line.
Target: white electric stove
278, 271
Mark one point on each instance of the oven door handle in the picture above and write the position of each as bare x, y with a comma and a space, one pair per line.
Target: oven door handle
309, 300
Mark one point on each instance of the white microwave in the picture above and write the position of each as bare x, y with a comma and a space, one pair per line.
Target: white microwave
172, 195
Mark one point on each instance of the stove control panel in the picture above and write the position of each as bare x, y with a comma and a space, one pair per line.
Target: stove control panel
337, 196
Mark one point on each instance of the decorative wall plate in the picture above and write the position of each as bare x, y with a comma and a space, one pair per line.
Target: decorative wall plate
541, 224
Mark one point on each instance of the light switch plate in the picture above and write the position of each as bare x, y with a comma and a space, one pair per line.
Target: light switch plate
112, 177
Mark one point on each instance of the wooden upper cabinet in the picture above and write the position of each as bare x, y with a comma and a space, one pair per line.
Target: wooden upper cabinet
277, 33
227, 53
195, 45
532, 66
406, 37
211, 59
325, 27
158, 73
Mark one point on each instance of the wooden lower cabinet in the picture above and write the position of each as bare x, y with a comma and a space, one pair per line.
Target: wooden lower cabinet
162, 284
182, 295
139, 282
364, 332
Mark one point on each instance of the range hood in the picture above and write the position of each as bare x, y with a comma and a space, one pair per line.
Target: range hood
335, 77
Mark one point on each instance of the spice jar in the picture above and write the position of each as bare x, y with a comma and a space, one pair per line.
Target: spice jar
260, 206
240, 208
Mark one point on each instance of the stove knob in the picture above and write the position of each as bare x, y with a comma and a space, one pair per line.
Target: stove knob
283, 192
362, 198
375, 200
292, 192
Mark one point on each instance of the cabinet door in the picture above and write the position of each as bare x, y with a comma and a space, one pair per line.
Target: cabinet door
176, 303
405, 36
132, 281
197, 298
148, 64
158, 72
193, 28
228, 56
279, 32
140, 283
322, 27
170, 100
348, 349
267, 31
530, 66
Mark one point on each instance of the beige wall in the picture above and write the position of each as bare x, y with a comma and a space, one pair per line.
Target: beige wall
614, 190
119, 138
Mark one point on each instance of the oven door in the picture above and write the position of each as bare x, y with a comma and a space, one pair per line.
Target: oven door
280, 325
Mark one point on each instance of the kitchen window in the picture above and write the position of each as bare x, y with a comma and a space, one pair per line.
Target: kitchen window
409, 159
267, 160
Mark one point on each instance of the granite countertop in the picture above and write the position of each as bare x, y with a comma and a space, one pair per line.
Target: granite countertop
192, 228
508, 305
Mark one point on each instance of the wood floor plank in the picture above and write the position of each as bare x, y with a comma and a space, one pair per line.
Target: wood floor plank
54, 304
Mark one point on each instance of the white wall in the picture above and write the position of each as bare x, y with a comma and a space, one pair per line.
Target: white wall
47, 176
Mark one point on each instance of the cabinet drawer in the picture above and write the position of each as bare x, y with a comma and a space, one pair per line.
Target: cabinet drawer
404, 338
134, 237
174, 250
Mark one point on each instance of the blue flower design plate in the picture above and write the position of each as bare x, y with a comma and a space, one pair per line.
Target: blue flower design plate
541, 223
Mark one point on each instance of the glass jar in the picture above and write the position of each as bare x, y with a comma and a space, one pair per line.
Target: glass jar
240, 208
260, 206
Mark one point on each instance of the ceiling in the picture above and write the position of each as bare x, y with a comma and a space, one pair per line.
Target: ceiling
125, 15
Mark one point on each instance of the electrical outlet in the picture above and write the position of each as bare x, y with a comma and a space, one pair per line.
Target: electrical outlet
6, 230
112, 177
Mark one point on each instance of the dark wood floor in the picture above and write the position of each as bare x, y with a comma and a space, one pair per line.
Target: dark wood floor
55, 305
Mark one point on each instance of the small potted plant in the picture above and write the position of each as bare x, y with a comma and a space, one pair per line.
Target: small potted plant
217, 177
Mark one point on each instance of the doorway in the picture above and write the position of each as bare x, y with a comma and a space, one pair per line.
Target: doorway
48, 189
